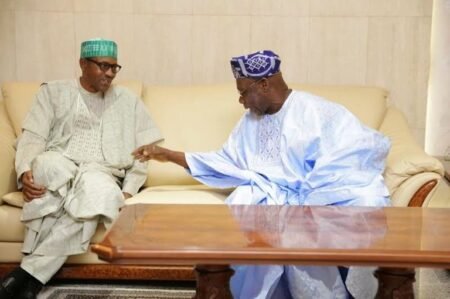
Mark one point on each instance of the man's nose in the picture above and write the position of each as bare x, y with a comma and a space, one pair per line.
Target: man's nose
241, 99
110, 73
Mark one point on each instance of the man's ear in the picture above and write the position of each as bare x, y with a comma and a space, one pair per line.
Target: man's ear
265, 84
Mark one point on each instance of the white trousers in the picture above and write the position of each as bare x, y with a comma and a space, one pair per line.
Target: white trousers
63, 221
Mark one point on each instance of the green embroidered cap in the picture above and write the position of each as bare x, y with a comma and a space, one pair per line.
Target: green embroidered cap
98, 47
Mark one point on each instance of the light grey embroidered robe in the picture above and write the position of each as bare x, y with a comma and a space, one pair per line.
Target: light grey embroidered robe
49, 128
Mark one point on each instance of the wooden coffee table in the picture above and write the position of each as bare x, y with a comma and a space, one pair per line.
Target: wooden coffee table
214, 236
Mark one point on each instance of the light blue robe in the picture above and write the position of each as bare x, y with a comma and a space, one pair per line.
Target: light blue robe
311, 152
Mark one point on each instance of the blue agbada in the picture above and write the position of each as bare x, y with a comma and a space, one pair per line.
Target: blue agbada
311, 152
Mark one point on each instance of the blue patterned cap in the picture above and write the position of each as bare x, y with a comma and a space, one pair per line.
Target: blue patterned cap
98, 47
256, 65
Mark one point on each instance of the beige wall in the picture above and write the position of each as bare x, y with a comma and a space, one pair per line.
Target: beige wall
370, 42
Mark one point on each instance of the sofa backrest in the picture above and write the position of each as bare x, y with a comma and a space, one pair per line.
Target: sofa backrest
18, 97
194, 118
200, 118
7, 153
14, 105
191, 118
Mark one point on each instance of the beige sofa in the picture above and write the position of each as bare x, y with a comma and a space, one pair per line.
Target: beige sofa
199, 118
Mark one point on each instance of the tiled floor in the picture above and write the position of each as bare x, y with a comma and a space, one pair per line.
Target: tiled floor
433, 284
118, 290
430, 283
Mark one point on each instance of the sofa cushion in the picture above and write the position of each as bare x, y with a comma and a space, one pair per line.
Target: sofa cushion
10, 252
7, 172
191, 118
14, 199
18, 97
135, 87
406, 158
354, 98
6, 128
188, 194
205, 115
12, 230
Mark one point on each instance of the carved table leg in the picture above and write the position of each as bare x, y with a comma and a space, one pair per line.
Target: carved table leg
213, 282
395, 283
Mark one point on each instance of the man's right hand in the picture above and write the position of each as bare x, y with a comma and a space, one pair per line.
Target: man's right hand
161, 154
30, 190
151, 152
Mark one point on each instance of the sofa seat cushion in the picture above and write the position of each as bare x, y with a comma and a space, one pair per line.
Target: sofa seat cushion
187, 194
10, 252
355, 98
12, 229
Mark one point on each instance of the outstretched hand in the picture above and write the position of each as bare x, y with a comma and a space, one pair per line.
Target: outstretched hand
161, 154
30, 190
150, 152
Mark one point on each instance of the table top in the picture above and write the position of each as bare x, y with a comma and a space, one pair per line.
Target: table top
251, 234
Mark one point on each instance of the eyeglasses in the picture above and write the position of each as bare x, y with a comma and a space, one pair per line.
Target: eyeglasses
104, 66
244, 92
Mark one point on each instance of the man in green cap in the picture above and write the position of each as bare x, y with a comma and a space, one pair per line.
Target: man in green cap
74, 165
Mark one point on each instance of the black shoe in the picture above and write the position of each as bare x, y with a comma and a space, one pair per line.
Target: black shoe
31, 289
13, 283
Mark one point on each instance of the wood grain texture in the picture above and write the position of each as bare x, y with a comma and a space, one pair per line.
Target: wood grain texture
116, 272
419, 197
220, 234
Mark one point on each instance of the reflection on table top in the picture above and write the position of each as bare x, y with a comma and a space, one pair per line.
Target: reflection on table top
220, 234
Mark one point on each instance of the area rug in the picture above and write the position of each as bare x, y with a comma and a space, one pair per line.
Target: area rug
114, 291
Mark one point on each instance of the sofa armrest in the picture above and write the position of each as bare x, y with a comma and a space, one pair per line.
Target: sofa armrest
7, 173
7, 154
406, 158
416, 190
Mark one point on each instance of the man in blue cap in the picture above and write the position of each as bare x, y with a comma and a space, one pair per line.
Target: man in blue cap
73, 164
290, 148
